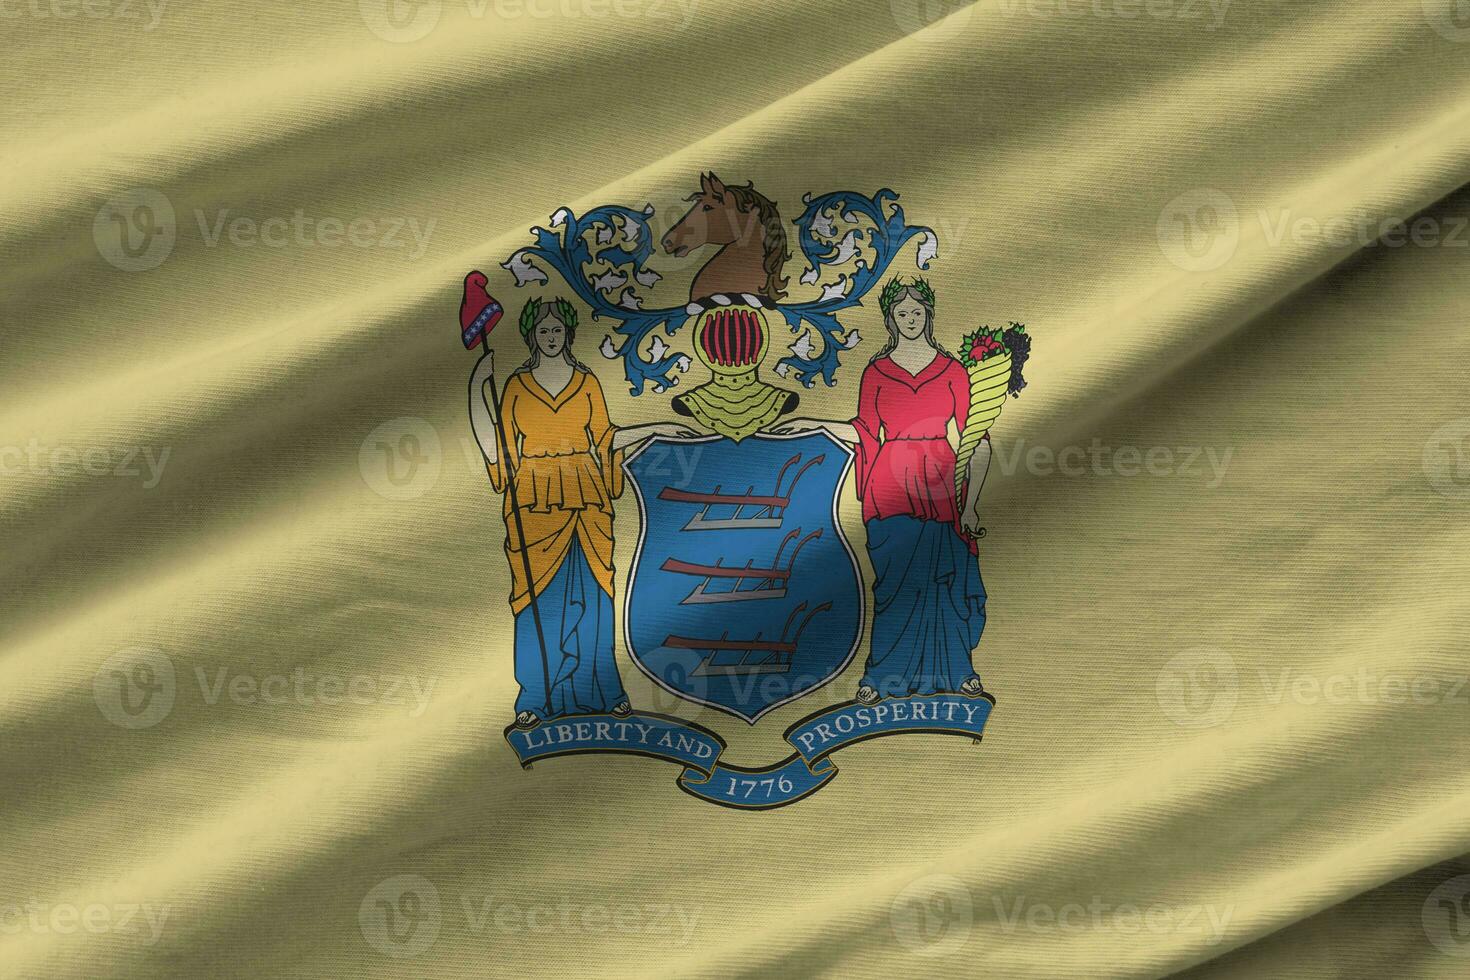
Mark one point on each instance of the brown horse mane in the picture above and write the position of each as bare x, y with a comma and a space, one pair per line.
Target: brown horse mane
776, 253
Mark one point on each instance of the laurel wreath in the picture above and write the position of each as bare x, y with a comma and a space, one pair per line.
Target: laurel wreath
565, 312
896, 285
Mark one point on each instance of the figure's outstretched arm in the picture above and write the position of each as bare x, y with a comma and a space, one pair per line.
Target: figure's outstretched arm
633, 434
841, 430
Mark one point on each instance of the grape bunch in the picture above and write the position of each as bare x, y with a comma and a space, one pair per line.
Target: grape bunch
1018, 342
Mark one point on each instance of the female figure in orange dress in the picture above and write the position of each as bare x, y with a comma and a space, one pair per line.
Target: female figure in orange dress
566, 461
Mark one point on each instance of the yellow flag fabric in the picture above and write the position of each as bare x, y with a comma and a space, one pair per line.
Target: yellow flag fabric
257, 650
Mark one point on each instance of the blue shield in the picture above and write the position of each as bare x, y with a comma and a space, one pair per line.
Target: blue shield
744, 593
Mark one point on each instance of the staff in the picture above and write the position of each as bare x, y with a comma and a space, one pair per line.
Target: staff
478, 315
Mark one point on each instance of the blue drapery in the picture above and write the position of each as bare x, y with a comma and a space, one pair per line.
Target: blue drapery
577, 619
929, 607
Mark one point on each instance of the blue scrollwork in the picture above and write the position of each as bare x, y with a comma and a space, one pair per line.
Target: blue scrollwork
825, 244
603, 257
602, 253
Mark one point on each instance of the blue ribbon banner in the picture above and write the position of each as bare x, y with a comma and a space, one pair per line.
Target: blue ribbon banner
697, 749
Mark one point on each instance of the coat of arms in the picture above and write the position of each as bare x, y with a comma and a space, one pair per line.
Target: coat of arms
751, 546
744, 593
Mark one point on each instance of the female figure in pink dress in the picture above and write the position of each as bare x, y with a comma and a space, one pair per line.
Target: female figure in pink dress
928, 597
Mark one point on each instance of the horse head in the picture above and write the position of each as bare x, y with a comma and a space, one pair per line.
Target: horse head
713, 219
746, 225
